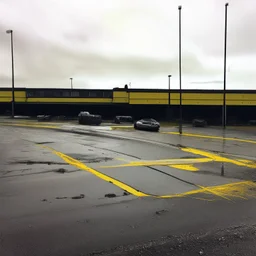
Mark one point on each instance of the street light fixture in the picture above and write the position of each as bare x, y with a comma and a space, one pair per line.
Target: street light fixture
71, 82
180, 119
224, 109
12, 56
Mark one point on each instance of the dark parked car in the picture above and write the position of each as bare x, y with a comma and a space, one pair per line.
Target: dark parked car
123, 119
147, 124
252, 122
199, 123
44, 118
87, 118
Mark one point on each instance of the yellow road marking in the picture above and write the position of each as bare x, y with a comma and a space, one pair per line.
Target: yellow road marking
36, 122
214, 191
31, 125
186, 164
121, 159
218, 158
84, 167
202, 199
185, 167
227, 191
162, 162
211, 137
247, 161
121, 127
241, 189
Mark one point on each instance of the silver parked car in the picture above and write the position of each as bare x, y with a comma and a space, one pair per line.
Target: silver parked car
147, 124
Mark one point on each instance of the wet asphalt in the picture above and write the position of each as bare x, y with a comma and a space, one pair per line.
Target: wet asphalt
53, 206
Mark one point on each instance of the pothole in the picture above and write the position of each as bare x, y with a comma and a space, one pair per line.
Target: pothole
81, 196
110, 195
78, 197
61, 170
161, 212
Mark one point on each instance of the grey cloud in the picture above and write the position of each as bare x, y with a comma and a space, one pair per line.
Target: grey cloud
241, 35
57, 61
36, 58
5, 80
75, 37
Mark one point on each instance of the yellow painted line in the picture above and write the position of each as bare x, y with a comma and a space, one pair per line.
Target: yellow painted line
247, 161
102, 176
202, 199
241, 189
185, 167
214, 191
218, 158
122, 159
162, 162
30, 125
121, 127
211, 137
38, 123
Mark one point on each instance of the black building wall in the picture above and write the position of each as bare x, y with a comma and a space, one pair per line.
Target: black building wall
213, 114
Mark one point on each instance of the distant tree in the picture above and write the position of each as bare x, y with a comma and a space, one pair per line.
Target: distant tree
126, 87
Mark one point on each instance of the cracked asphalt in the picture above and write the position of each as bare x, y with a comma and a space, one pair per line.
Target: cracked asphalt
126, 192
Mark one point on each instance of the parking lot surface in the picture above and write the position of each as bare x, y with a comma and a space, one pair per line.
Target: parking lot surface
69, 190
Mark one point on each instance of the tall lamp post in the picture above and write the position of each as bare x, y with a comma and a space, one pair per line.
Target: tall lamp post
180, 119
169, 95
71, 83
12, 56
224, 109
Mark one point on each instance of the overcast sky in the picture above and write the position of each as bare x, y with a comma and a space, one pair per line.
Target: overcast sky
107, 43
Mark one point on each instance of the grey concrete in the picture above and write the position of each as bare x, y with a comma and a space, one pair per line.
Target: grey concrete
40, 216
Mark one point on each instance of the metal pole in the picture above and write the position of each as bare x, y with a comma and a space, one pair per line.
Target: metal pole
169, 98
12, 56
71, 82
13, 96
169, 90
180, 120
224, 110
